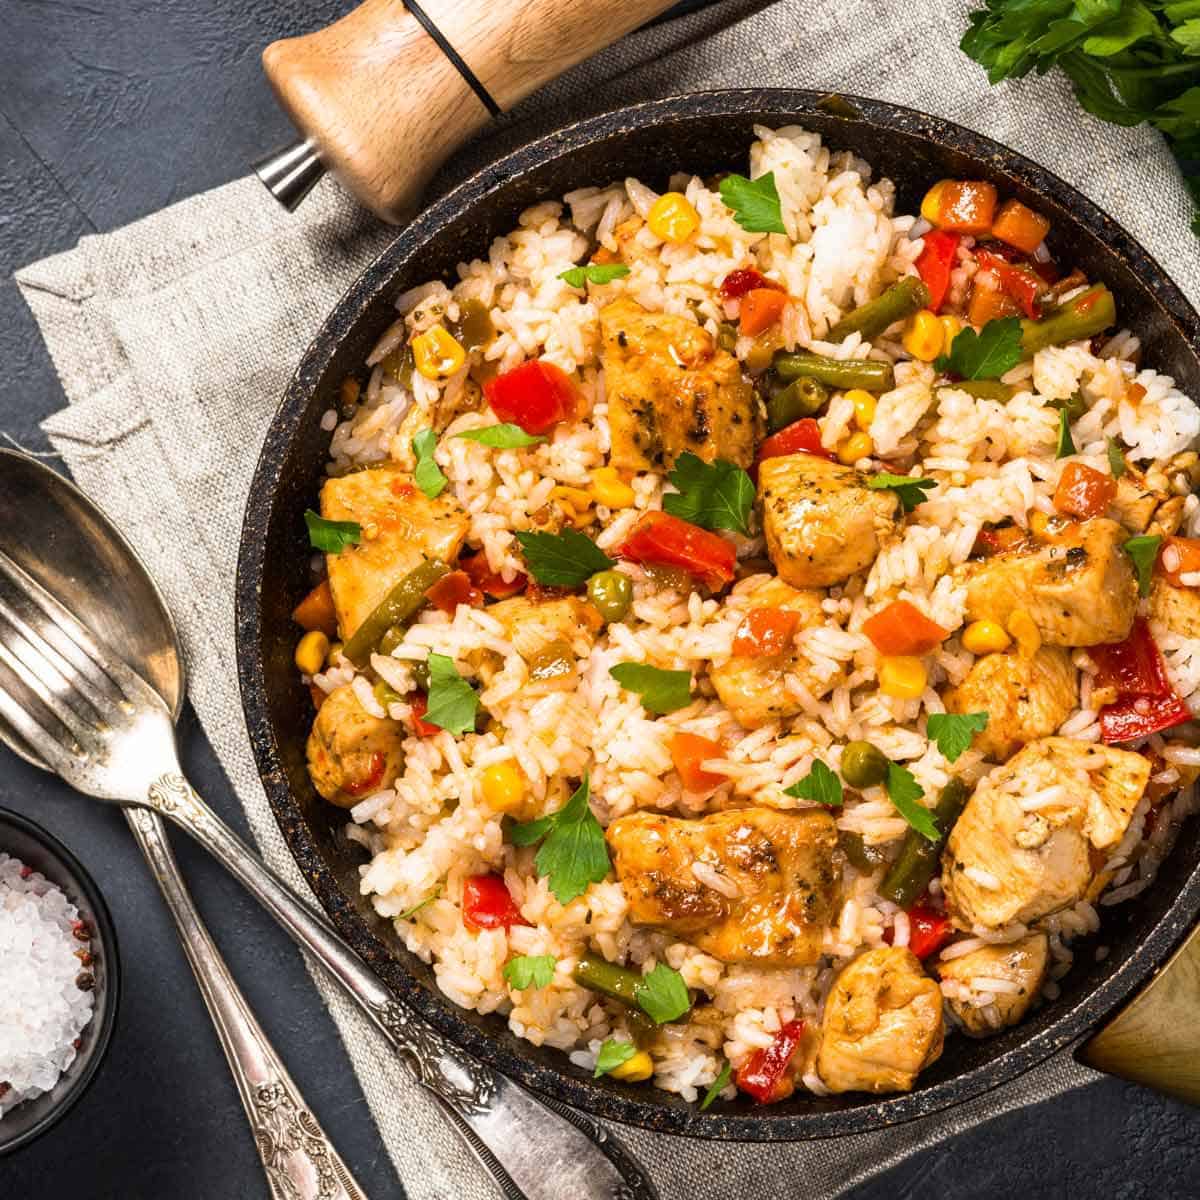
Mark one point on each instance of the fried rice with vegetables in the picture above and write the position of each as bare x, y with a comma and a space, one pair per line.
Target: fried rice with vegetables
754, 634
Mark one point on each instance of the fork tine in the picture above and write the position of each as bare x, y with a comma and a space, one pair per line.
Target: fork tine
49, 745
43, 680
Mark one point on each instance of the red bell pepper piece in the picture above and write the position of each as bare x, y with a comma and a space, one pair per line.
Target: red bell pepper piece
662, 538
453, 589
764, 1075
1083, 491
744, 279
1139, 716
902, 628
536, 395
1018, 280
487, 904
371, 780
936, 262
492, 583
928, 930
765, 631
998, 539
688, 751
1179, 556
801, 437
419, 707
1134, 667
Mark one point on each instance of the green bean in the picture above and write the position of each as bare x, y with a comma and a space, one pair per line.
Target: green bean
788, 402
861, 854
982, 389
905, 297
620, 983
398, 606
843, 373
863, 765
1088, 314
918, 859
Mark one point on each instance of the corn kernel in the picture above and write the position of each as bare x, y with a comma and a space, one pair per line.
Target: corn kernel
311, 651
951, 328
1029, 637
503, 787
436, 354
931, 206
672, 218
637, 1069
856, 446
610, 489
985, 637
923, 336
1039, 524
902, 677
864, 407
576, 503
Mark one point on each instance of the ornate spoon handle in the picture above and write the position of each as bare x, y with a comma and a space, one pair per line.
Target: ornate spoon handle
533, 1150
298, 1158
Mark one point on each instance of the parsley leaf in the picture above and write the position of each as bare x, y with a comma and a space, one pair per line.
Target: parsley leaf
564, 559
954, 732
504, 436
613, 1054
427, 475
905, 792
1142, 552
661, 691
331, 536
662, 995
996, 348
530, 970
420, 904
1116, 459
717, 1086
574, 853
909, 490
1066, 445
755, 203
453, 702
716, 495
594, 273
820, 784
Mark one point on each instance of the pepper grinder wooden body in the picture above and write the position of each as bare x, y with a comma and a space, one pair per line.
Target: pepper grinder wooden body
382, 105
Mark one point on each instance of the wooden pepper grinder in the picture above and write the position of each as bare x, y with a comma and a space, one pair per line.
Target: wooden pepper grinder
388, 92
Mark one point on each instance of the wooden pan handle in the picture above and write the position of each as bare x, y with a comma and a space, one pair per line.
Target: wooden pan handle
384, 105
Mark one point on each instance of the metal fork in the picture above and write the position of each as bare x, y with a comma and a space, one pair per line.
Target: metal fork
110, 735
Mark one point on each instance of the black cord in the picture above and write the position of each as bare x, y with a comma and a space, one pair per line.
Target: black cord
454, 56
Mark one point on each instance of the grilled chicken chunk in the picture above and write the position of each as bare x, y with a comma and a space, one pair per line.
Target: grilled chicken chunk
994, 970
401, 527
1023, 845
550, 635
1079, 589
822, 523
754, 689
1025, 698
1178, 608
882, 1024
351, 753
670, 388
776, 870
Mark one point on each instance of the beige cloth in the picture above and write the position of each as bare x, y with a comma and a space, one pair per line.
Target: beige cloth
175, 336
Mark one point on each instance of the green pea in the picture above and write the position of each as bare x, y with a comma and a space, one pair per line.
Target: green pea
612, 593
863, 765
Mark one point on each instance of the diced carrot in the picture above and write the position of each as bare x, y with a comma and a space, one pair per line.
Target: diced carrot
1083, 492
965, 206
316, 611
903, 629
998, 539
1020, 226
989, 301
603, 256
688, 751
1179, 556
765, 631
761, 308
1019, 280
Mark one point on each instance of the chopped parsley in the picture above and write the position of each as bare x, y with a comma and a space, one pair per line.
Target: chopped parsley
530, 970
420, 904
331, 536
1066, 444
1116, 459
564, 559
909, 490
820, 784
717, 1086
996, 348
716, 495
954, 732
504, 436
754, 203
905, 794
594, 273
427, 475
662, 995
612, 1055
573, 852
1142, 552
661, 691
453, 702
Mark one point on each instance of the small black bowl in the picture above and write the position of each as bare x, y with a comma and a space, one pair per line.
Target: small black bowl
36, 848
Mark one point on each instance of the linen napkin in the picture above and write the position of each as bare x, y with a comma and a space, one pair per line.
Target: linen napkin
175, 336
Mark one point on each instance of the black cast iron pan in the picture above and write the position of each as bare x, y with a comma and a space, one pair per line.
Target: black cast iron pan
701, 133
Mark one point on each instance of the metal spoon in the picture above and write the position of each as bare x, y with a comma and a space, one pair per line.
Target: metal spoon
107, 732
75, 542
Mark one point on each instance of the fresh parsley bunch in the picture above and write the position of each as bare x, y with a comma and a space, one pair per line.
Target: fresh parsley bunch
1129, 60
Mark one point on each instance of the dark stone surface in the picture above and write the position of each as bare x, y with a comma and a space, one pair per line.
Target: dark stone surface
109, 110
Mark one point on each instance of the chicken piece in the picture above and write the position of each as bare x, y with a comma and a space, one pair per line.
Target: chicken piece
1025, 698
1135, 501
1079, 589
351, 753
1178, 608
670, 388
776, 874
1151, 501
1022, 847
822, 522
401, 527
993, 970
755, 689
882, 1024
550, 635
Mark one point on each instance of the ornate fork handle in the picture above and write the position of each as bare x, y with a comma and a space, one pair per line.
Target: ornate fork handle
534, 1150
299, 1160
